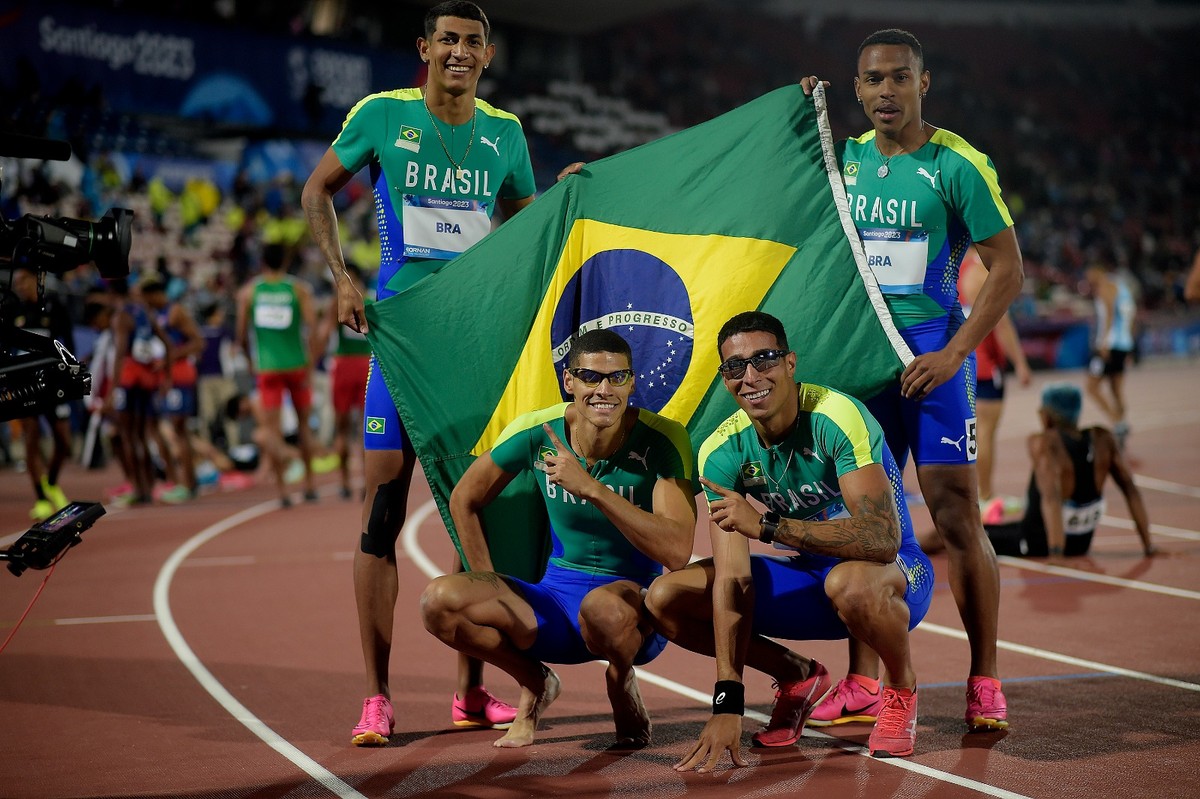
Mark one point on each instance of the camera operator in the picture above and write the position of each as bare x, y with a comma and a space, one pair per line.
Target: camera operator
47, 317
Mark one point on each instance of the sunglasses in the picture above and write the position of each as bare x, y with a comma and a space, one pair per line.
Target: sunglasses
591, 378
735, 368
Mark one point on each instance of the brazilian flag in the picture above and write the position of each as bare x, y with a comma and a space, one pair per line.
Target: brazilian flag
662, 243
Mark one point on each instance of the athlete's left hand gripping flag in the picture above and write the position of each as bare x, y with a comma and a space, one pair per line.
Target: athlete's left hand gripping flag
663, 244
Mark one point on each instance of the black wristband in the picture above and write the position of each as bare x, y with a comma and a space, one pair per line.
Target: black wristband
729, 696
768, 523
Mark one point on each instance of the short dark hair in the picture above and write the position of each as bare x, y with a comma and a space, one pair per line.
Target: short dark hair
274, 256
461, 9
898, 37
753, 322
599, 340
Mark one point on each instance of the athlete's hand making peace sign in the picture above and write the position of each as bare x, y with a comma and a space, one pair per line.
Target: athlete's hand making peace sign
564, 469
733, 513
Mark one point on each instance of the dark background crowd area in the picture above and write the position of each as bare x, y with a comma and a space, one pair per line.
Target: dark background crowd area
1094, 130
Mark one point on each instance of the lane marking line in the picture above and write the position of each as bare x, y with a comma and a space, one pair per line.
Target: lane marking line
107, 619
170, 631
1046, 654
1092, 577
413, 547
1166, 486
1160, 529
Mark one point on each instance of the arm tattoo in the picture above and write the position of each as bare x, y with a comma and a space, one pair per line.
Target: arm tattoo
872, 533
491, 578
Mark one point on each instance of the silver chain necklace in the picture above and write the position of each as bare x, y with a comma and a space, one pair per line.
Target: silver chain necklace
459, 171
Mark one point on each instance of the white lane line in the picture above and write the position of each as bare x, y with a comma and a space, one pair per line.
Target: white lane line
1092, 577
106, 619
166, 621
1046, 654
1157, 529
231, 560
413, 547
1154, 484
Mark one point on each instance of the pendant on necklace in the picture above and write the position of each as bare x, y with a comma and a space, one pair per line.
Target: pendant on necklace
460, 174
882, 171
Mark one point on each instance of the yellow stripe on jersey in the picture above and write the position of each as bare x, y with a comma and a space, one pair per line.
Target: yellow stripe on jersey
957, 144
531, 419
725, 431
673, 432
842, 411
394, 94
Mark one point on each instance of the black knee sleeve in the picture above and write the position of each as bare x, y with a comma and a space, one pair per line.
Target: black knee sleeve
385, 521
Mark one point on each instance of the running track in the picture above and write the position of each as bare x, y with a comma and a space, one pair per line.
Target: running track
209, 650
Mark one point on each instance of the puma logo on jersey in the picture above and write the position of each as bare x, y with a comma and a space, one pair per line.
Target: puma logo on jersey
929, 177
495, 145
956, 442
808, 453
633, 456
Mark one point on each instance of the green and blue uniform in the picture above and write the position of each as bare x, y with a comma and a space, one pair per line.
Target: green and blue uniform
916, 224
799, 479
588, 551
427, 213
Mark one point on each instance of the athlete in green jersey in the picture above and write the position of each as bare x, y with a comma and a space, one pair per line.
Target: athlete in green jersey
617, 485
440, 162
279, 310
816, 460
920, 196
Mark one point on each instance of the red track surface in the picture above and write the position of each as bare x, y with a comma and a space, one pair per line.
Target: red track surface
100, 694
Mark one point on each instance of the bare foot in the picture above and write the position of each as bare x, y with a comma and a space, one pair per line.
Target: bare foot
629, 713
529, 713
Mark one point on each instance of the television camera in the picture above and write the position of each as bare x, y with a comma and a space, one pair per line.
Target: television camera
37, 372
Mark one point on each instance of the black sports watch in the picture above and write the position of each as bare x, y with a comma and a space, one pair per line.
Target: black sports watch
768, 524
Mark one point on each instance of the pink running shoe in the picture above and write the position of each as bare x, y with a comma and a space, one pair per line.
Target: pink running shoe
987, 709
794, 701
481, 709
895, 732
376, 724
848, 701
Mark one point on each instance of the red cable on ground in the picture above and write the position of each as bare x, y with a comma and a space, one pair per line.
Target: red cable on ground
21, 620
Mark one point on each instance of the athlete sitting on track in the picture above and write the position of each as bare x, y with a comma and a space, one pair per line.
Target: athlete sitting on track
1066, 490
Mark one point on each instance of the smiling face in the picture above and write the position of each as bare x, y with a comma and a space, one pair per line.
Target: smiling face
890, 83
457, 52
768, 394
602, 404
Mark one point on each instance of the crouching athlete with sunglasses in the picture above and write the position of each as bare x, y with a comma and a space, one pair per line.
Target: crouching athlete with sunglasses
815, 459
617, 485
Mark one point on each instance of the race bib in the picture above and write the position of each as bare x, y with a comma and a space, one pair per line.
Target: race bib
441, 227
898, 258
272, 317
148, 350
1080, 519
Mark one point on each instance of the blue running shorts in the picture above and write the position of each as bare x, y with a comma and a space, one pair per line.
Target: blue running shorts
555, 601
381, 423
939, 429
790, 601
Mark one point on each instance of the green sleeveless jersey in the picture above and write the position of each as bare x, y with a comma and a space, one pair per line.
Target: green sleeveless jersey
917, 213
583, 538
351, 342
278, 328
